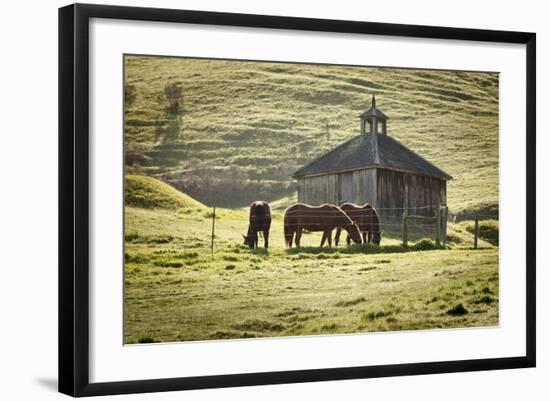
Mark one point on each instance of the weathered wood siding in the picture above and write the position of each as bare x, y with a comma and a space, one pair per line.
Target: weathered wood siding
391, 192
416, 194
345, 187
421, 191
358, 186
365, 187
318, 189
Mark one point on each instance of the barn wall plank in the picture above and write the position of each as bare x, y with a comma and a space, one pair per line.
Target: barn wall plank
345, 182
372, 187
381, 188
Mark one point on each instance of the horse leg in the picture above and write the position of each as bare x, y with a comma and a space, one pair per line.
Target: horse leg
266, 238
348, 240
370, 236
298, 237
323, 238
289, 238
288, 232
337, 236
328, 234
365, 237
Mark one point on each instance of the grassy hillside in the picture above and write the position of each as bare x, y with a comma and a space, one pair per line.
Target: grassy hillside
176, 289
242, 128
147, 192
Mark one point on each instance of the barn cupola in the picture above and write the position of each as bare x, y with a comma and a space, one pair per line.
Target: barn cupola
375, 119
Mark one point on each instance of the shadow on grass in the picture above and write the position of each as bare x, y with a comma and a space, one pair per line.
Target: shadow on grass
260, 252
422, 245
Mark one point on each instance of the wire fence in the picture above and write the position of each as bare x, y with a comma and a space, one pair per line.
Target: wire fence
456, 218
408, 222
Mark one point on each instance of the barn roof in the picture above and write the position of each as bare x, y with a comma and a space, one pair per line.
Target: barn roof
365, 151
374, 112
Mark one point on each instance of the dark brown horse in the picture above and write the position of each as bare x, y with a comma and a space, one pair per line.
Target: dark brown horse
323, 218
366, 219
259, 220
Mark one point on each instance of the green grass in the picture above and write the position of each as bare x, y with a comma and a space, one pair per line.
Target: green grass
176, 291
245, 127
242, 129
488, 229
147, 192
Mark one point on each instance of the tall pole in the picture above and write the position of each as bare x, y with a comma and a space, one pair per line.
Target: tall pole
405, 239
476, 231
213, 225
438, 224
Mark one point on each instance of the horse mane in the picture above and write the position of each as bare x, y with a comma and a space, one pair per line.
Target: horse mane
364, 206
369, 206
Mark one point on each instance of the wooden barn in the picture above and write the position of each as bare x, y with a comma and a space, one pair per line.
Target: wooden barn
373, 167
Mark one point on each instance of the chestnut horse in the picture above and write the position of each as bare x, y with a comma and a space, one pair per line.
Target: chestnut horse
259, 220
323, 218
366, 219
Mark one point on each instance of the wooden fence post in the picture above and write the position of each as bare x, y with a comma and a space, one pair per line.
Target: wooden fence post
476, 231
444, 221
405, 239
438, 224
213, 225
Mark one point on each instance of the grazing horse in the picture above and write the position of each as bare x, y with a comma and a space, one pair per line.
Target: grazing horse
259, 220
323, 218
366, 219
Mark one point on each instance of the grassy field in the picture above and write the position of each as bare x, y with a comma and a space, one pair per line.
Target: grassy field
175, 290
226, 133
246, 127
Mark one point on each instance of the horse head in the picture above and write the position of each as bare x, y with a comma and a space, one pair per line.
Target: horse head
248, 241
376, 237
354, 233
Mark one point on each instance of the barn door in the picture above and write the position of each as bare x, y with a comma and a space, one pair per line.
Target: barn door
345, 187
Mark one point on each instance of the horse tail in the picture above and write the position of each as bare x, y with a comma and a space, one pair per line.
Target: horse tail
375, 219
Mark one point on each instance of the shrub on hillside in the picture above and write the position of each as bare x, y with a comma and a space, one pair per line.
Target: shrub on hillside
425, 244
173, 93
457, 310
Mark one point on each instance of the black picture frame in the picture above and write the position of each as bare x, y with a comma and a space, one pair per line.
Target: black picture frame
74, 199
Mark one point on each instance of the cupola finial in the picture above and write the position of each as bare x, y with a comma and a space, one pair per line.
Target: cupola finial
375, 119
